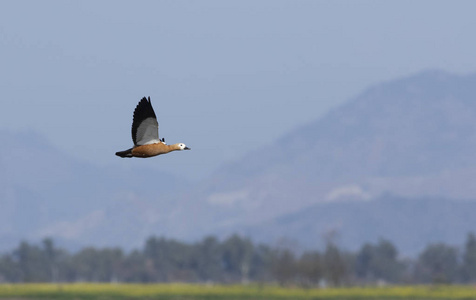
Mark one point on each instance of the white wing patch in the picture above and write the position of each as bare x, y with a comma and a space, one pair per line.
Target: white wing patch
148, 132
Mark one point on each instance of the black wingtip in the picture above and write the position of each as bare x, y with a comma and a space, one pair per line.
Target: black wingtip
147, 99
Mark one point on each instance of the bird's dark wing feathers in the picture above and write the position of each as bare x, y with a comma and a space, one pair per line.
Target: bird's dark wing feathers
143, 111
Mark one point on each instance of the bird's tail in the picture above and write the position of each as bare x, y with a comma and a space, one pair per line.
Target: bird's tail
125, 153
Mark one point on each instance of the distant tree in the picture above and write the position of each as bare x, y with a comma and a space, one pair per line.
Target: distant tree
378, 262
438, 263
468, 269
207, 259
284, 266
310, 268
171, 260
237, 255
261, 263
335, 266
52, 256
103, 265
156, 264
9, 270
32, 263
363, 262
136, 269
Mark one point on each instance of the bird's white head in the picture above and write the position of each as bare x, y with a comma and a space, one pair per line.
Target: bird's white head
182, 146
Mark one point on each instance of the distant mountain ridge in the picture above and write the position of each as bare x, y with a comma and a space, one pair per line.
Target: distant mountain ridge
413, 137
417, 126
378, 129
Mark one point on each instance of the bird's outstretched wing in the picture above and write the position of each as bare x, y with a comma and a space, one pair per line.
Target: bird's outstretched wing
145, 128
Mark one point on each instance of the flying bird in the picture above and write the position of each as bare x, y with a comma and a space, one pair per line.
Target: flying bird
145, 134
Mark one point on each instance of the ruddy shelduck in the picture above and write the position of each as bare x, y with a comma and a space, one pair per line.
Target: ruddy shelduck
145, 134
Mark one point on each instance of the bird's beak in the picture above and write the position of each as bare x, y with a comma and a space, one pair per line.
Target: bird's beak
187, 148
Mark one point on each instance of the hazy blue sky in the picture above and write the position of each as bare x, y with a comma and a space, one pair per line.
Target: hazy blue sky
225, 77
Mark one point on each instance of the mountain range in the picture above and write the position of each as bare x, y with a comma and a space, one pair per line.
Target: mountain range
397, 161
410, 138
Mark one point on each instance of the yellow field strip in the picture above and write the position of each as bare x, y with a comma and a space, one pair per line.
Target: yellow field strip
235, 291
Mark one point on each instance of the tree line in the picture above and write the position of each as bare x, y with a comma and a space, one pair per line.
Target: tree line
238, 259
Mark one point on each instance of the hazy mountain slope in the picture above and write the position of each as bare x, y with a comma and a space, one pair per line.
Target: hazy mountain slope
44, 192
414, 126
411, 137
409, 223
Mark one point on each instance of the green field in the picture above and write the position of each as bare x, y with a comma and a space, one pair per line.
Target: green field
229, 292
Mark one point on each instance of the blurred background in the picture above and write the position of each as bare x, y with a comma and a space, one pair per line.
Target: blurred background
314, 126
